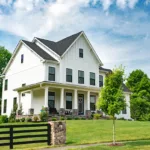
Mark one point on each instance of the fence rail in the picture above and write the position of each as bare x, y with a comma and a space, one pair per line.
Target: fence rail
11, 133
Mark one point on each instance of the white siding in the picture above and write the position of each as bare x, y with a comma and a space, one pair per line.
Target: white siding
88, 63
30, 71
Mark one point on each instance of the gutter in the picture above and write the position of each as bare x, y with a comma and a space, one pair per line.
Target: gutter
2, 76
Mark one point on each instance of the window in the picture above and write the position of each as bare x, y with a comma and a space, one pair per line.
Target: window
92, 78
51, 74
23, 84
124, 111
14, 101
68, 100
22, 58
81, 77
5, 106
23, 94
68, 75
81, 53
100, 81
6, 85
51, 99
92, 102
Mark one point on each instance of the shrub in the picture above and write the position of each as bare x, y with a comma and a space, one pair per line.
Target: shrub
44, 115
28, 119
97, 116
76, 118
62, 118
4, 119
83, 118
22, 119
54, 119
69, 118
35, 118
12, 117
17, 120
122, 118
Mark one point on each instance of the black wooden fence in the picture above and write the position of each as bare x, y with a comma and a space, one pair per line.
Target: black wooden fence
12, 129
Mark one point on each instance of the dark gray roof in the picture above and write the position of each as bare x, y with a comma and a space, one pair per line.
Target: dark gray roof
125, 89
104, 69
61, 46
39, 51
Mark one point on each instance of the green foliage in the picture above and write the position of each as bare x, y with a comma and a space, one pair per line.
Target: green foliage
76, 118
4, 119
28, 119
62, 118
35, 118
96, 116
12, 117
44, 115
54, 119
17, 120
139, 83
0, 105
22, 119
5, 56
69, 118
83, 118
111, 100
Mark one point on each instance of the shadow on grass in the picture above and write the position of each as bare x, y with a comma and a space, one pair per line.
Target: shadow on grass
138, 143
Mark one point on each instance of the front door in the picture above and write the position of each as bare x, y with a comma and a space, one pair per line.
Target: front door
81, 104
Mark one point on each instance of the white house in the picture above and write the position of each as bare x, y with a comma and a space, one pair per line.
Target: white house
64, 76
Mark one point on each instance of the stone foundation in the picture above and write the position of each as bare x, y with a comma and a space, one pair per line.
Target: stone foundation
58, 132
62, 112
88, 113
75, 112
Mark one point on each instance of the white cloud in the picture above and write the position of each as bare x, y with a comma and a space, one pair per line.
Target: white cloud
132, 3
121, 3
106, 4
5, 2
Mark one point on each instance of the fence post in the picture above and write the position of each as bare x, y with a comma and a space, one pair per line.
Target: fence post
49, 134
11, 137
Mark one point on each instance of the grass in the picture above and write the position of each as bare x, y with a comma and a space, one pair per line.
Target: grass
96, 131
140, 145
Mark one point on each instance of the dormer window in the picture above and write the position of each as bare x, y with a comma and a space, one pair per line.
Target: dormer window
81, 53
22, 58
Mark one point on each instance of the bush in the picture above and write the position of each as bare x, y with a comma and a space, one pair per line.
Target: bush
76, 118
28, 119
62, 118
54, 119
4, 119
12, 117
22, 119
122, 118
17, 120
69, 118
83, 118
44, 115
97, 116
35, 118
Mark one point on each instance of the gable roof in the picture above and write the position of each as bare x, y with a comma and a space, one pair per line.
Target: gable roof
39, 51
60, 46
104, 69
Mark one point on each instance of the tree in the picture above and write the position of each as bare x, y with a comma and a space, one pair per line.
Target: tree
5, 56
112, 100
139, 84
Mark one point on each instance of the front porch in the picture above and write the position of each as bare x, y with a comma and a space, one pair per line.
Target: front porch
62, 100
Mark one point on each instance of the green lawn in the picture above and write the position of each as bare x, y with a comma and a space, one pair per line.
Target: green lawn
95, 131
140, 145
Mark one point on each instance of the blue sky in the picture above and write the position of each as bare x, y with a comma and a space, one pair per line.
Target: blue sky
119, 30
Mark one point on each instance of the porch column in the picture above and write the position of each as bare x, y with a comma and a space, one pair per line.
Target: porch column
46, 98
19, 103
62, 109
75, 102
88, 112
31, 109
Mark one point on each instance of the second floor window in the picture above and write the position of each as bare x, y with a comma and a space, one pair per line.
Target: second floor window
51, 74
92, 78
81, 53
22, 58
68, 100
100, 81
69, 75
6, 85
81, 77
5, 106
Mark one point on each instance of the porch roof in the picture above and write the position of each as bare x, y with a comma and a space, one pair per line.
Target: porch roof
56, 85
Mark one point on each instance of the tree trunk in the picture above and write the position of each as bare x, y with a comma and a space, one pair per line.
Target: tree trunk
114, 141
